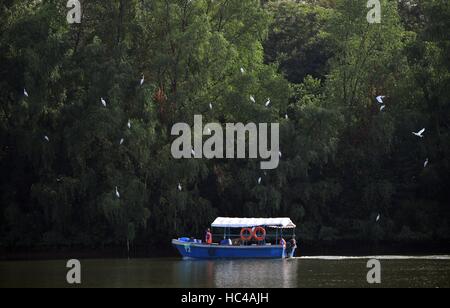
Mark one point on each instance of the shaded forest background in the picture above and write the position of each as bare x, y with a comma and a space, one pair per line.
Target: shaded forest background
344, 161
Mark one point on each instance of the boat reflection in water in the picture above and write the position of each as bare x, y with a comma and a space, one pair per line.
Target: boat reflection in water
250, 274
237, 273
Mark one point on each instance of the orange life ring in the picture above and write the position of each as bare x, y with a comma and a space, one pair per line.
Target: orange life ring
259, 234
247, 237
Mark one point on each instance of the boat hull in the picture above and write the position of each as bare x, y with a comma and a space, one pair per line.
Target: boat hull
202, 251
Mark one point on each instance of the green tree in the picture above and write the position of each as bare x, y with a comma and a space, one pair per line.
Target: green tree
298, 41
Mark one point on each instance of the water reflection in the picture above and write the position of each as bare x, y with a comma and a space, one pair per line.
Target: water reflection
401, 271
194, 273
237, 273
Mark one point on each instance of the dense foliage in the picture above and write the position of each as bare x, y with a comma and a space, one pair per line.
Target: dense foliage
344, 162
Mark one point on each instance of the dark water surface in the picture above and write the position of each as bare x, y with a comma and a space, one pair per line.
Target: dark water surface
430, 272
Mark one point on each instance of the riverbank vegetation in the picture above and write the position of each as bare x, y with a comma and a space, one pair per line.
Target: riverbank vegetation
87, 110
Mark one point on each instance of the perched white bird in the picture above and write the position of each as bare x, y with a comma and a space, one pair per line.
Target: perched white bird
380, 99
425, 164
209, 131
47, 139
382, 107
129, 123
180, 188
122, 141
193, 152
378, 218
280, 154
259, 180
103, 102
268, 102
142, 80
242, 70
25, 92
211, 106
252, 99
286, 116
117, 193
419, 134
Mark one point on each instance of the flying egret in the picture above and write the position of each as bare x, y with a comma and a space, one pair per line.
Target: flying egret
382, 107
47, 139
378, 218
25, 92
425, 164
252, 99
268, 102
117, 193
380, 99
103, 102
419, 134
180, 188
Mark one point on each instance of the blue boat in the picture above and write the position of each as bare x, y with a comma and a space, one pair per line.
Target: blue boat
252, 242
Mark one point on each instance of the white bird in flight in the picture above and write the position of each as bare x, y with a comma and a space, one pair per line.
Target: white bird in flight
117, 193
252, 99
419, 134
378, 217
103, 102
380, 99
268, 102
25, 92
425, 164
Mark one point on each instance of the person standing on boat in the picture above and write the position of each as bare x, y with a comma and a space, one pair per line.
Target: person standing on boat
293, 248
283, 242
208, 237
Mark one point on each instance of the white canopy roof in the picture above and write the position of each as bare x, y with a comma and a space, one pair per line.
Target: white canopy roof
224, 222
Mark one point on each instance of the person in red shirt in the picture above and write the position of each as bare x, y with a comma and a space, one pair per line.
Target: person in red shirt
208, 237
